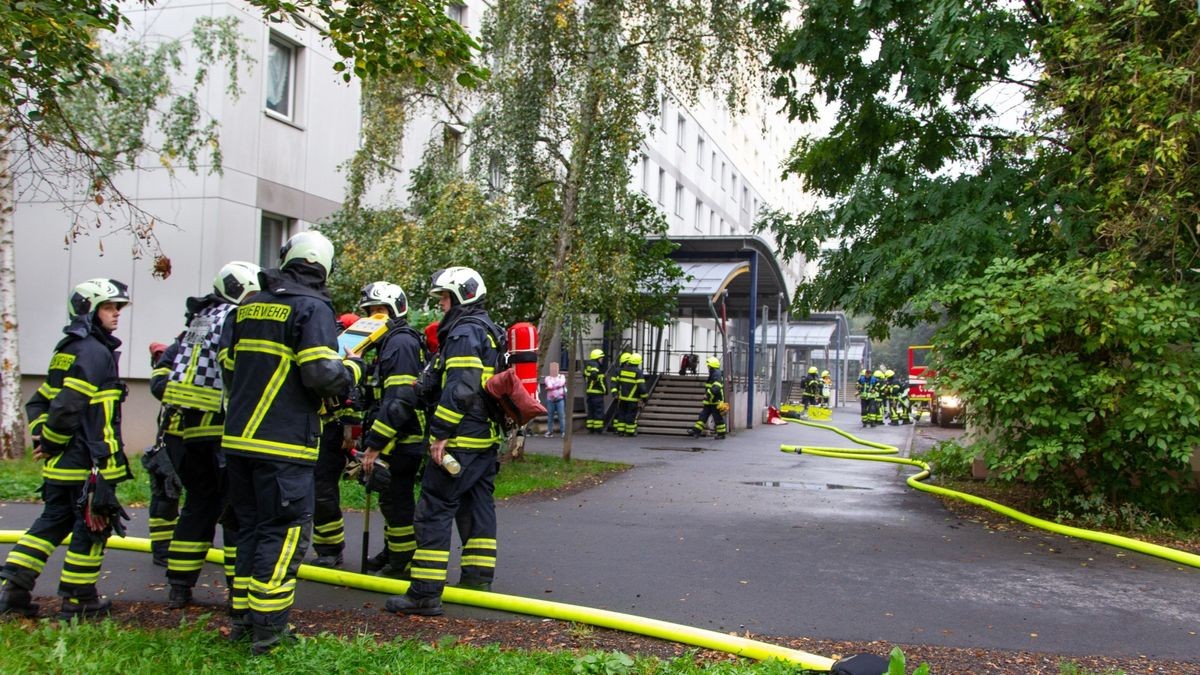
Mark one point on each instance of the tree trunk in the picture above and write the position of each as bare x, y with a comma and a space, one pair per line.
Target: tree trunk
12, 418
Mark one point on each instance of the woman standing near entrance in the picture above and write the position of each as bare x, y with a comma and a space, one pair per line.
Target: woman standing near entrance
556, 394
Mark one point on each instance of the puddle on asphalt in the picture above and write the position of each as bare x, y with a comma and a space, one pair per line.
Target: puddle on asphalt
804, 486
677, 448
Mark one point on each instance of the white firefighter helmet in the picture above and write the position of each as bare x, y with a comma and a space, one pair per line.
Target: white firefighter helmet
89, 295
463, 283
387, 294
237, 280
308, 246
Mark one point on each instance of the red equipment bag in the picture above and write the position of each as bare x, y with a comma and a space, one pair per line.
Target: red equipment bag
506, 389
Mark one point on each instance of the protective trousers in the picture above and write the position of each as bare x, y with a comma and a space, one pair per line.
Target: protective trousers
164, 512
203, 476
707, 411
441, 497
627, 414
60, 517
400, 508
329, 528
595, 413
273, 503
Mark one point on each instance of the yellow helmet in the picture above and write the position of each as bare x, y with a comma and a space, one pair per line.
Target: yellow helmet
890, 373
824, 373
863, 371
596, 354
812, 370
877, 373
713, 362
624, 358
635, 359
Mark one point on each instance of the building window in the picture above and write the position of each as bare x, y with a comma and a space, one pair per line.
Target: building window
273, 231
722, 175
745, 199
678, 199
645, 162
452, 138
733, 185
662, 107
712, 223
698, 216
700, 152
722, 227
713, 165
680, 130
281, 76
662, 186
458, 13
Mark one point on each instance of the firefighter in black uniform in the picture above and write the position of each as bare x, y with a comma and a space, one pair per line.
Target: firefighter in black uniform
595, 388
329, 525
395, 430
279, 359
630, 384
75, 420
714, 396
160, 461
812, 388
470, 349
191, 390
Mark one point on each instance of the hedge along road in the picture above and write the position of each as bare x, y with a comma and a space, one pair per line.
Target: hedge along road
736, 536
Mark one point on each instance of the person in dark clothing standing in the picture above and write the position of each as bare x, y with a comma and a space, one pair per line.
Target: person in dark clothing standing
630, 385
187, 379
471, 348
595, 387
395, 430
714, 395
75, 421
812, 388
279, 363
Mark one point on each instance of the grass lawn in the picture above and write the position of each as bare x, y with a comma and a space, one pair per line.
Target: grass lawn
107, 647
21, 478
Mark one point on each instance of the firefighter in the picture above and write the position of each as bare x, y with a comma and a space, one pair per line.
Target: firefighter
187, 379
826, 388
471, 347
395, 426
714, 396
280, 361
595, 387
812, 388
161, 459
75, 421
874, 391
630, 384
891, 390
860, 387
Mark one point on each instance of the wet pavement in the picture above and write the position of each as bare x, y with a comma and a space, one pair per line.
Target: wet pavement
735, 535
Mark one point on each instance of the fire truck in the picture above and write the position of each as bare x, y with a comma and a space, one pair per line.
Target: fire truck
945, 409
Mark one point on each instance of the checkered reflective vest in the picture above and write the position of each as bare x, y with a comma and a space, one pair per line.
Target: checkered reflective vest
195, 380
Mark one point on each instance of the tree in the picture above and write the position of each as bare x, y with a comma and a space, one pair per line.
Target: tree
563, 117
1061, 248
53, 53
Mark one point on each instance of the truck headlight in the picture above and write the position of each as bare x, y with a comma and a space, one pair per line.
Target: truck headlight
950, 401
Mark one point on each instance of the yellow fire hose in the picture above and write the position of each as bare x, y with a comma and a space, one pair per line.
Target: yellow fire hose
664, 630
874, 452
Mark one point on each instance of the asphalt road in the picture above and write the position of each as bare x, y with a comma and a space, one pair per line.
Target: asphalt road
734, 535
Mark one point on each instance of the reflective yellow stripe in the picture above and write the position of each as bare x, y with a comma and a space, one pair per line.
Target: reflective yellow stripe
464, 362
203, 432
224, 359
316, 354
272, 448
192, 396
480, 543
479, 560
87, 389
55, 437
160, 372
37, 422
36, 542
189, 546
265, 347
18, 558
47, 391
473, 443
428, 574
398, 380
285, 557
382, 429
432, 556
448, 415
268, 396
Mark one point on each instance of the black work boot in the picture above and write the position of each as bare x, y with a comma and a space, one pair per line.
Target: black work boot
475, 584
378, 561
267, 638
180, 597
405, 604
240, 628
85, 608
397, 567
329, 561
16, 600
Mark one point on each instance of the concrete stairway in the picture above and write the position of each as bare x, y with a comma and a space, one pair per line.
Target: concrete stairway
673, 406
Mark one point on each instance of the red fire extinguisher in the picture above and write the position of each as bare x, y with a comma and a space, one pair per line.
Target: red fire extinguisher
522, 348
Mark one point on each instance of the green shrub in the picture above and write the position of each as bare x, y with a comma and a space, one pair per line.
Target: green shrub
1083, 375
948, 459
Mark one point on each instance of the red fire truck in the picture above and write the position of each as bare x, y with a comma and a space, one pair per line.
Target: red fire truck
945, 409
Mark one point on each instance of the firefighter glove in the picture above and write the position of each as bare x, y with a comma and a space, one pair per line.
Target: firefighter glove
164, 482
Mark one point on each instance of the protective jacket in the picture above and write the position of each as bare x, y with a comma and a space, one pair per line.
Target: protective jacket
187, 378
77, 411
714, 389
470, 349
593, 376
279, 361
396, 419
812, 384
631, 383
